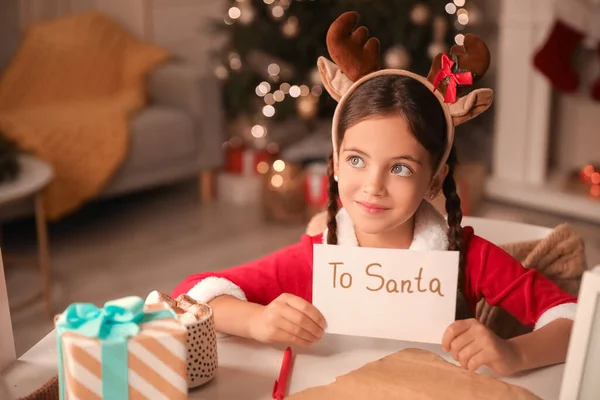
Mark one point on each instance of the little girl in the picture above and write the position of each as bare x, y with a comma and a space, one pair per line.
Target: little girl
392, 138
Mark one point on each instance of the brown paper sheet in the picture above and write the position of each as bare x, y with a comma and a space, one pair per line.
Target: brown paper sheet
416, 375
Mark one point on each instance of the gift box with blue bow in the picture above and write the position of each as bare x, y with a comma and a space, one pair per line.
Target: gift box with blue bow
125, 350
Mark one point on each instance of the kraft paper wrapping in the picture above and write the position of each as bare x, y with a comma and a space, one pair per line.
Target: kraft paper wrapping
156, 362
417, 375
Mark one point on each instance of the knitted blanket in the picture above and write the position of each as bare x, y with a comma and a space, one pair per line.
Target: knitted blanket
560, 256
66, 97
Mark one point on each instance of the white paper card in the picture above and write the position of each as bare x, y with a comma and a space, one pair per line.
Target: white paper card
386, 293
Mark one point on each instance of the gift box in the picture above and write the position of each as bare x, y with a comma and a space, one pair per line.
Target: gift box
283, 195
316, 185
239, 190
245, 161
202, 358
123, 350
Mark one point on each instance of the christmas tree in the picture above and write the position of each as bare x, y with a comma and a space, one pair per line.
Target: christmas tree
268, 65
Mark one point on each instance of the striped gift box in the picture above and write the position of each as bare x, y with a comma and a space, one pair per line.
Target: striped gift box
156, 359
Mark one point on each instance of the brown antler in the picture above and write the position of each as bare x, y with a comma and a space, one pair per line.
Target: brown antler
473, 56
349, 48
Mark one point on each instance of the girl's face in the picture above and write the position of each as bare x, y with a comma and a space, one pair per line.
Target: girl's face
383, 174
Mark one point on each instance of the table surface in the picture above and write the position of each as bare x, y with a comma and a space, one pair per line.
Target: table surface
33, 176
248, 369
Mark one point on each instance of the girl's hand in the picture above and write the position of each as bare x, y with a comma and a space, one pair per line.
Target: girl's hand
287, 319
473, 345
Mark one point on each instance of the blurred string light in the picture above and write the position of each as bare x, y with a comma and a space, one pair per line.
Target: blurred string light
221, 72
463, 16
291, 27
450, 8
258, 131
243, 12
234, 12
277, 11
262, 167
285, 87
295, 91
590, 175
273, 69
268, 111
263, 88
304, 90
235, 62
456, 7
277, 181
269, 99
279, 165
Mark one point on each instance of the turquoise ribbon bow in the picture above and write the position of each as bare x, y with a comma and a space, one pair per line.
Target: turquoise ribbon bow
113, 325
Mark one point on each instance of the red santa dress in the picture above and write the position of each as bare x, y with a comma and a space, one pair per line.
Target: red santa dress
490, 273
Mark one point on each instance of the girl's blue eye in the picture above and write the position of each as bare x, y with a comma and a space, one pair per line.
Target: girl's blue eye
356, 161
401, 170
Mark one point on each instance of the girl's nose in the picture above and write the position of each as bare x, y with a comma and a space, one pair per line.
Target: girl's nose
374, 184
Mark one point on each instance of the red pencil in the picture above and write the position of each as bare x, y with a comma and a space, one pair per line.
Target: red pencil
281, 383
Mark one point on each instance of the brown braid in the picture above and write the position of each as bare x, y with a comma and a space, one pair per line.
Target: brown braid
454, 211
332, 204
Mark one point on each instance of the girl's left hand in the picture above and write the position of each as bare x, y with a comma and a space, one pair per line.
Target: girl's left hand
473, 345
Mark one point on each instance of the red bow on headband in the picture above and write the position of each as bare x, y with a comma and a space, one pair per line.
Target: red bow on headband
461, 78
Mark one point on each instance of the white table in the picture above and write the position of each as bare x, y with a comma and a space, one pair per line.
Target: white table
247, 370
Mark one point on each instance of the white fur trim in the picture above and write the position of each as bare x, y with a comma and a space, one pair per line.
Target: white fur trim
430, 229
211, 287
566, 310
345, 229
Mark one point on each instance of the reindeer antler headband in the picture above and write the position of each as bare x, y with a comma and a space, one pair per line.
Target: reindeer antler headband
356, 60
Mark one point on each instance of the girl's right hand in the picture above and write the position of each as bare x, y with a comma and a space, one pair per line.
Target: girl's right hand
287, 319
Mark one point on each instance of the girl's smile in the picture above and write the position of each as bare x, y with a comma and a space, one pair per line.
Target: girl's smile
372, 208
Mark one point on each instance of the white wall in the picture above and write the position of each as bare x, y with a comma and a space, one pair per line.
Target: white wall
130, 13
182, 27
576, 117
38, 10
9, 29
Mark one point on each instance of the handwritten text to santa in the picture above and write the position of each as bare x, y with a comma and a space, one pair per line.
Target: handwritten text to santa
386, 293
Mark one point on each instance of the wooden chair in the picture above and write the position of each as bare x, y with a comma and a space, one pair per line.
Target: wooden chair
503, 232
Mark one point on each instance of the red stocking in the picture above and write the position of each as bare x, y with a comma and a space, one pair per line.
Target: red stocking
596, 87
554, 58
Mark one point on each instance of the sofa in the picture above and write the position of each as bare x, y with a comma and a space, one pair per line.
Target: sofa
177, 136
